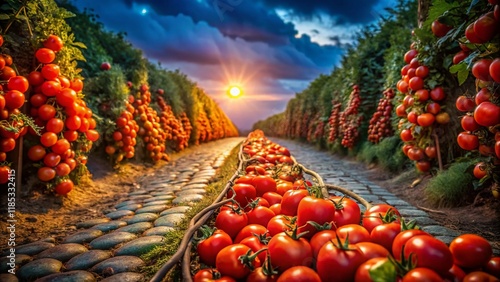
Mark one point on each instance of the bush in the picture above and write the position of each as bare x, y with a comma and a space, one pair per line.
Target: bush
450, 187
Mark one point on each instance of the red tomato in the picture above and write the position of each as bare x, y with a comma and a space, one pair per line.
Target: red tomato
36, 153
279, 223
487, 114
61, 146
476, 276
467, 141
66, 97
469, 123
460, 56
260, 215
259, 275
19, 83
486, 27
384, 234
410, 55
291, 200
373, 250
481, 69
244, 193
4, 174
14, 99
363, 271
231, 221
495, 70
480, 170
433, 108
209, 275
426, 119
355, 233
64, 187
299, 274
470, 251
421, 274
401, 239
92, 135
249, 231
493, 266
50, 71
256, 244
55, 125
62, 169
208, 248
347, 211
429, 252
228, 261
272, 198
53, 42
46, 112
46, 173
320, 239
48, 139
437, 93
263, 184
284, 186
313, 209
45, 55
439, 29
286, 252
334, 263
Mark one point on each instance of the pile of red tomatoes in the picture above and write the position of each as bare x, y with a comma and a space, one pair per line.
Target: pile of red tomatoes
279, 227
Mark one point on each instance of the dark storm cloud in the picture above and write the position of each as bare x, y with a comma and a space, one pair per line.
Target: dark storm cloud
248, 20
346, 11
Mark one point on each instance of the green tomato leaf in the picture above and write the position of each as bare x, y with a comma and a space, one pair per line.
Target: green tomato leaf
458, 67
383, 272
4, 17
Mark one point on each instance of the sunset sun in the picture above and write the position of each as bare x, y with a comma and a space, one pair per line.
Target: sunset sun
234, 91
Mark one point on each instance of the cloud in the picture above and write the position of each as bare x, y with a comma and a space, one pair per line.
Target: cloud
345, 11
247, 42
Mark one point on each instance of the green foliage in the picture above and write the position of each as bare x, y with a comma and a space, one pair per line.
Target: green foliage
450, 187
387, 154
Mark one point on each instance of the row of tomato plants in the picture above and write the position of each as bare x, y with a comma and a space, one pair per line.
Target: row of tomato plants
59, 128
281, 227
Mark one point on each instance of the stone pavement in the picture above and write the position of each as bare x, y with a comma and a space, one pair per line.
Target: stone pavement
108, 248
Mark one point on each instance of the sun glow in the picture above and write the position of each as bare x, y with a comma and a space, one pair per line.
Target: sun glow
234, 91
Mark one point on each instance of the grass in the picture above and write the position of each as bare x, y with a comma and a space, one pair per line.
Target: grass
161, 254
450, 187
387, 154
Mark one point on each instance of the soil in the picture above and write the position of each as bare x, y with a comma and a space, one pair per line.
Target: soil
41, 215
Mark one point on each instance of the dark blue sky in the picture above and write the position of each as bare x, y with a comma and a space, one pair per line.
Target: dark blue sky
271, 48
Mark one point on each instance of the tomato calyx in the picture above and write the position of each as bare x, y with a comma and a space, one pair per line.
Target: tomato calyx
315, 191
319, 227
292, 233
388, 217
248, 258
267, 267
342, 245
412, 224
206, 231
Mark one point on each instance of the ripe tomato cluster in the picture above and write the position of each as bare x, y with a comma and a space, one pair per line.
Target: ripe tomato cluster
350, 119
150, 128
13, 123
57, 105
334, 121
282, 229
481, 110
172, 126
124, 137
380, 124
420, 112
